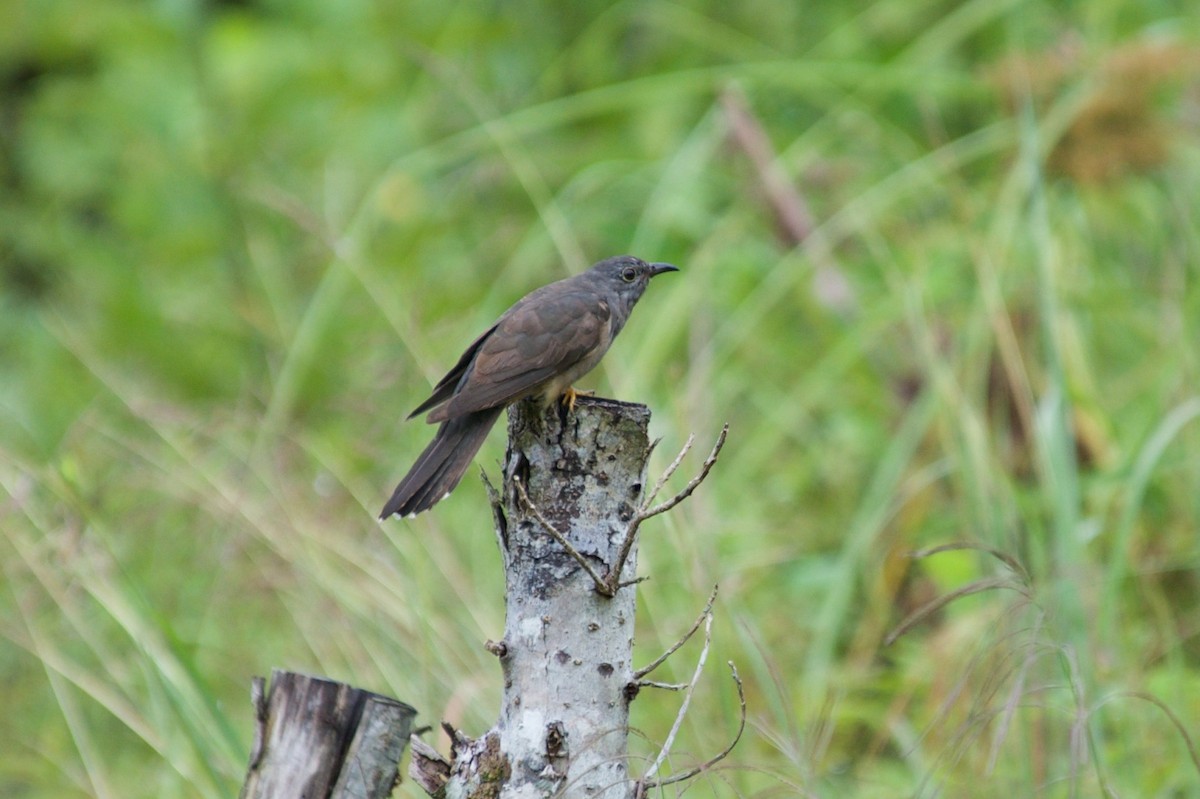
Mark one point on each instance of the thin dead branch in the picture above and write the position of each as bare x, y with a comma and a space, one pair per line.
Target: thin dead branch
666, 686
645, 512
692, 485
645, 785
683, 708
670, 470
499, 523
658, 661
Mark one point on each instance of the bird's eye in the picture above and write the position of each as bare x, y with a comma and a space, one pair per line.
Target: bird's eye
629, 274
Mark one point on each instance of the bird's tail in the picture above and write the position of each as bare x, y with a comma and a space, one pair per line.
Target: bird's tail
442, 464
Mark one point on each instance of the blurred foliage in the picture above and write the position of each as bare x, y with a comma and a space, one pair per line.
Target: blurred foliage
239, 239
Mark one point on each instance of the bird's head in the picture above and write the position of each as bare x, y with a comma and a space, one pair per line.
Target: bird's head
628, 277
623, 279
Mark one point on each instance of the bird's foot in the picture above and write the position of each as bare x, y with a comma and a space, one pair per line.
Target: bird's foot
571, 394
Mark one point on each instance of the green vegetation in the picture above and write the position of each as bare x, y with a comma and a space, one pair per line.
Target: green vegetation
239, 239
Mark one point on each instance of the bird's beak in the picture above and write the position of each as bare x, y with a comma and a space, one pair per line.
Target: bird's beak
658, 269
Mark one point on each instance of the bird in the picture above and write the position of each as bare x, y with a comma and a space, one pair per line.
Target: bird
539, 347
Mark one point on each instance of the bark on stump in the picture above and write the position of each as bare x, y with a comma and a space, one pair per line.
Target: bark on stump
567, 650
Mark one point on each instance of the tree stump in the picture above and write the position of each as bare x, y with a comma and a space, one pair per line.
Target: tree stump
567, 651
322, 739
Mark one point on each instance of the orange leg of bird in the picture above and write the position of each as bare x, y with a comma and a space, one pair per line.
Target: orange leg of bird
571, 394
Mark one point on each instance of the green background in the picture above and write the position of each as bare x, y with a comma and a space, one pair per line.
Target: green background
240, 240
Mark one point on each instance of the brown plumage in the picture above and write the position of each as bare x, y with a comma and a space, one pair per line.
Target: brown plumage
539, 347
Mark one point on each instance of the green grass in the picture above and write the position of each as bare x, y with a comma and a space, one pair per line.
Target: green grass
240, 241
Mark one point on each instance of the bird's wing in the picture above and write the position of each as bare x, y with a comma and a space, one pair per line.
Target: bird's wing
537, 341
445, 387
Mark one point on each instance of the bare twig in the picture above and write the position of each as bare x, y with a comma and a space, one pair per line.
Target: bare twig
458, 738
683, 708
614, 572
666, 475
645, 785
666, 686
658, 661
499, 523
645, 512
602, 585
694, 483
